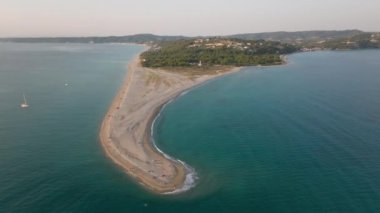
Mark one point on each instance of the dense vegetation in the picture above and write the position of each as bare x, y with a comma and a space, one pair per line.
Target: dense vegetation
216, 51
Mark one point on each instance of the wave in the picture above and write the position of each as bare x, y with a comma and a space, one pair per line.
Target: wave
190, 180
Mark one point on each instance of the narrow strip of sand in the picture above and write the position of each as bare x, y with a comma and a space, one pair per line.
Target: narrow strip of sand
125, 132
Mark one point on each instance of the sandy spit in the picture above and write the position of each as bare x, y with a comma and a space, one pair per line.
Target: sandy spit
125, 133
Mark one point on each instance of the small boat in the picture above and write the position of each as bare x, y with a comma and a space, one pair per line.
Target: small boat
24, 104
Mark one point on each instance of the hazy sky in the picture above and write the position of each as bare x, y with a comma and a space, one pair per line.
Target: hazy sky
182, 17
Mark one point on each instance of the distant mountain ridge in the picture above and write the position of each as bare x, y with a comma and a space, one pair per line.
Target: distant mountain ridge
138, 38
146, 38
303, 40
284, 36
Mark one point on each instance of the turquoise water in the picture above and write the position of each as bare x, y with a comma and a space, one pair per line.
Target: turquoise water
304, 137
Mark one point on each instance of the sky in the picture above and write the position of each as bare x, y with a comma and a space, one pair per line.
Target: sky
34, 18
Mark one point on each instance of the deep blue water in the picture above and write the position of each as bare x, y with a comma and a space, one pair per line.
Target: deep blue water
304, 137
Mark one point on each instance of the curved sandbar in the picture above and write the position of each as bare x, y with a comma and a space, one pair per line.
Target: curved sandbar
125, 133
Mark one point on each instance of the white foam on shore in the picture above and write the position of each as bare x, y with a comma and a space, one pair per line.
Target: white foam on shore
190, 180
191, 174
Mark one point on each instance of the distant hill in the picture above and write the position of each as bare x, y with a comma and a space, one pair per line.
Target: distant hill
303, 40
292, 37
138, 38
362, 41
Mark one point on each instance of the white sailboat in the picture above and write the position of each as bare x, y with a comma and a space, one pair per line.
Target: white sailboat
24, 104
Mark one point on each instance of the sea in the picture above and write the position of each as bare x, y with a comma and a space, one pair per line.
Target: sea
301, 137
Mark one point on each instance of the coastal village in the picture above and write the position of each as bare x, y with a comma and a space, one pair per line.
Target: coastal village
355, 42
240, 45
220, 43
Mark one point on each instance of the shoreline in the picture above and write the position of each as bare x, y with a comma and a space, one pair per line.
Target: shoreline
126, 130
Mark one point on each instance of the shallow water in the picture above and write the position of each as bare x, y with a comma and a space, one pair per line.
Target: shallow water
297, 138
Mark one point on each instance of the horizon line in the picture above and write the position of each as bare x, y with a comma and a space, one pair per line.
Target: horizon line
179, 35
